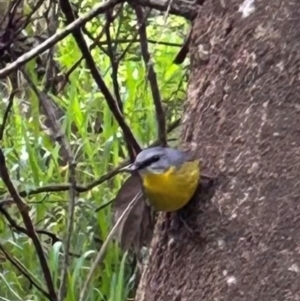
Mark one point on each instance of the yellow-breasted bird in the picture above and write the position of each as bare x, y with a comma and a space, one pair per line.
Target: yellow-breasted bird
169, 177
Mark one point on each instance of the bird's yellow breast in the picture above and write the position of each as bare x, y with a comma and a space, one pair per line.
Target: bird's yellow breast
173, 189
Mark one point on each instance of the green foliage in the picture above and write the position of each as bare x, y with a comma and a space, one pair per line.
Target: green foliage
34, 159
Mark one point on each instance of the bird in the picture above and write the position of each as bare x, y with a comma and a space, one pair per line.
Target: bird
169, 177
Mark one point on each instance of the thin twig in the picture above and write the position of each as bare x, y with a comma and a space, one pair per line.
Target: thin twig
49, 81
78, 188
116, 42
111, 51
111, 102
23, 271
26, 21
54, 125
56, 129
68, 234
134, 39
180, 8
96, 42
50, 42
93, 184
13, 224
6, 113
24, 211
113, 60
182, 53
160, 114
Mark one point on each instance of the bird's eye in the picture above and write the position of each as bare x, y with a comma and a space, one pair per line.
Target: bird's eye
148, 162
155, 158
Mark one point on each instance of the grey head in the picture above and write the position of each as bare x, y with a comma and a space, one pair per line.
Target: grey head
157, 160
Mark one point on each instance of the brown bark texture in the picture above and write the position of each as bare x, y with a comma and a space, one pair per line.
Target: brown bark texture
242, 118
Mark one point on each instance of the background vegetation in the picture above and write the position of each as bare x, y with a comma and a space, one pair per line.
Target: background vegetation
58, 117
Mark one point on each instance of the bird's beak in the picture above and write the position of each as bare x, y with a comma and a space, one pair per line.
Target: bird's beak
129, 168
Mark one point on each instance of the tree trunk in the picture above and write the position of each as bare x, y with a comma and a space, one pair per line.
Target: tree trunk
242, 119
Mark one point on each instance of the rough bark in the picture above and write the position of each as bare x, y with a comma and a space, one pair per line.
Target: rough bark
242, 118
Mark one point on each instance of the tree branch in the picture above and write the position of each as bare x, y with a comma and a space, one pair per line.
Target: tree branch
23, 208
13, 224
182, 8
23, 271
93, 184
56, 129
50, 42
6, 113
111, 52
111, 102
160, 114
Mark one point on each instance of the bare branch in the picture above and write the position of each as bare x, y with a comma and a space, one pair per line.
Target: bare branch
23, 271
181, 55
182, 8
113, 60
78, 188
160, 114
7, 111
13, 224
93, 184
23, 208
56, 129
111, 52
23, 59
111, 102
